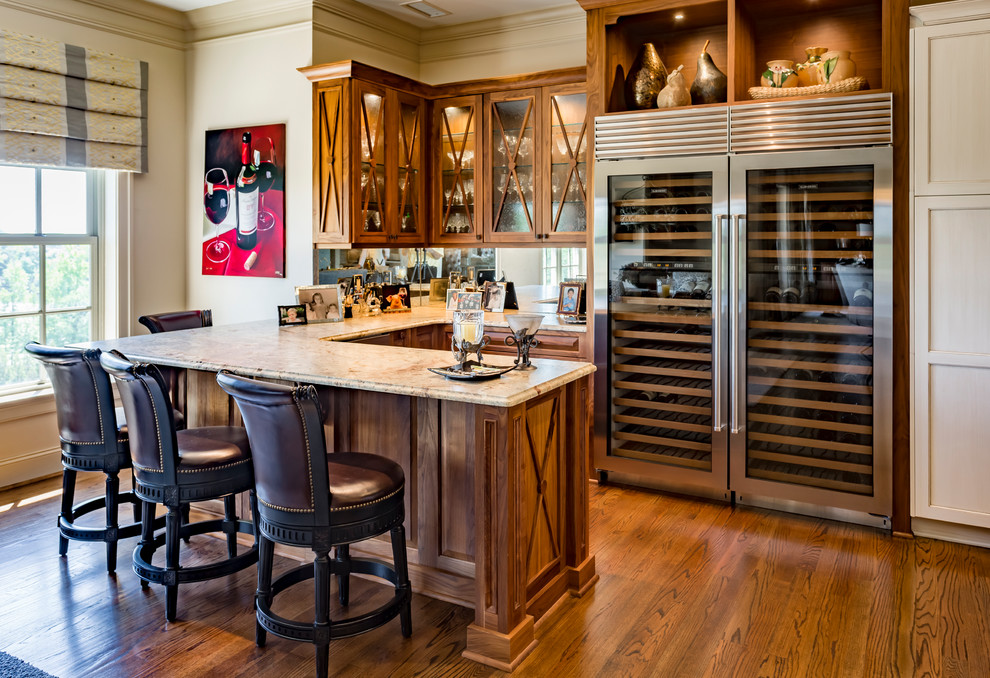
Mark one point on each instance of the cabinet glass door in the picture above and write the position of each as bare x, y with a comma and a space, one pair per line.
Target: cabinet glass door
660, 310
810, 328
410, 165
513, 143
458, 124
568, 164
371, 131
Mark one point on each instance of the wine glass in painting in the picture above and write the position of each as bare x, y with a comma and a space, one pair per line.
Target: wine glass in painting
266, 178
216, 201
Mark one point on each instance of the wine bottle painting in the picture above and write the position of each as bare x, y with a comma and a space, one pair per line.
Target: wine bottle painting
244, 202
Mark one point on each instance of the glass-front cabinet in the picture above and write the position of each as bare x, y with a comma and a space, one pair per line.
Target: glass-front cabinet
370, 210
568, 126
457, 121
743, 325
516, 152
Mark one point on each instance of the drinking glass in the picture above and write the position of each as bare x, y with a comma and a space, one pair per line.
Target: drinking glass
216, 202
266, 178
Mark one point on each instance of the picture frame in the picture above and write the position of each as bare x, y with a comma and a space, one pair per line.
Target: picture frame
357, 281
453, 295
494, 297
396, 299
569, 298
469, 301
291, 314
320, 302
438, 289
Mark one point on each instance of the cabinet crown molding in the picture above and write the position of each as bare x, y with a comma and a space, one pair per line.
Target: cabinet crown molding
951, 12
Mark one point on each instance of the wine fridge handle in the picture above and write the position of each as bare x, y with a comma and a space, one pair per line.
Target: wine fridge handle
735, 306
717, 283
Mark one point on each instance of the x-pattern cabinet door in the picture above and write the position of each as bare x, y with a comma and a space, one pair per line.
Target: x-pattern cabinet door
514, 128
370, 212
457, 192
566, 106
411, 221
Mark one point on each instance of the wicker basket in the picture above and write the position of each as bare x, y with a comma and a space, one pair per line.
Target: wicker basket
847, 85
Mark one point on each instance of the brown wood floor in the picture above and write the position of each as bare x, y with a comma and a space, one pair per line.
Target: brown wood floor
687, 588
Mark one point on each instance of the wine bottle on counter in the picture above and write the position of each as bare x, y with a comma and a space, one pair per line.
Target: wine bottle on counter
247, 197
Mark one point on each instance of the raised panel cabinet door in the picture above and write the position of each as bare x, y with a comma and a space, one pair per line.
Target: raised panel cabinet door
329, 222
513, 125
370, 189
568, 188
456, 125
411, 217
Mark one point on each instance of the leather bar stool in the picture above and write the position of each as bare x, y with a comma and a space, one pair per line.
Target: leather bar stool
91, 440
177, 320
311, 499
174, 468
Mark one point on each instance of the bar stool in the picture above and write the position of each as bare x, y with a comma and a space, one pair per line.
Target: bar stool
174, 468
91, 440
177, 320
311, 499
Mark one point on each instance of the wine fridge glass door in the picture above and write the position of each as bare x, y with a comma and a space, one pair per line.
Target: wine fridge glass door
807, 297
662, 288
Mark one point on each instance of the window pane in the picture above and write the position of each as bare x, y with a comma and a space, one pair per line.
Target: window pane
67, 328
20, 284
63, 201
17, 198
67, 276
16, 365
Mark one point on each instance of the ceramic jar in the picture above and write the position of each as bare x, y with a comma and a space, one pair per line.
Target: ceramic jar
836, 66
779, 73
809, 72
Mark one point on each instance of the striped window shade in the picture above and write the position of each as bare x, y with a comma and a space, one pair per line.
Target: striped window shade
68, 106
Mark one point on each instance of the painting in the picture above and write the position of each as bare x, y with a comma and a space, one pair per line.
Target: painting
244, 202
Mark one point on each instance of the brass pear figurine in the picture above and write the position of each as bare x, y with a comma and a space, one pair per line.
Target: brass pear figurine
710, 85
646, 78
676, 92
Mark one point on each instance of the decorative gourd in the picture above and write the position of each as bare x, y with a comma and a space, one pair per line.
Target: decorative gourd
646, 78
710, 85
676, 92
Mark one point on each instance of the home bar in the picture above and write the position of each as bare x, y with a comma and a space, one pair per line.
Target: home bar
592, 337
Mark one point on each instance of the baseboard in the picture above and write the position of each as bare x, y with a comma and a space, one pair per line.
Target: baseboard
28, 467
962, 534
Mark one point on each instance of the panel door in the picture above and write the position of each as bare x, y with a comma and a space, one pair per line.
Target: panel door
567, 192
410, 223
811, 377
514, 127
456, 195
662, 257
330, 221
370, 190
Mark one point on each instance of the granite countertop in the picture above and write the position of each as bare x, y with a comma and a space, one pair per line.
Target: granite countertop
262, 349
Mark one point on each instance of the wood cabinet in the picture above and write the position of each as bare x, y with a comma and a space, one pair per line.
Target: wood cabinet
369, 159
744, 35
457, 216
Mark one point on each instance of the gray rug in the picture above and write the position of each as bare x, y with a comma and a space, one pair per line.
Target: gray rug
12, 667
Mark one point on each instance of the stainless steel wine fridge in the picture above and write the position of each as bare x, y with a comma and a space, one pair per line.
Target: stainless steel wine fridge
742, 317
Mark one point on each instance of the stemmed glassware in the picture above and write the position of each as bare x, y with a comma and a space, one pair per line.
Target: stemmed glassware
216, 202
266, 177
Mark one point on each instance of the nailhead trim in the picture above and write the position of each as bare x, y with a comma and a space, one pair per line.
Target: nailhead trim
343, 508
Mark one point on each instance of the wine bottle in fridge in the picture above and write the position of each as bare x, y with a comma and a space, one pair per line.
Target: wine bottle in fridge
247, 197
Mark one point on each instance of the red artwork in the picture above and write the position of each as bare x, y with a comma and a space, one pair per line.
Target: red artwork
244, 202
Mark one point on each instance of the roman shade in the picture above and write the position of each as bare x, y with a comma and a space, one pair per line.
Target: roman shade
67, 106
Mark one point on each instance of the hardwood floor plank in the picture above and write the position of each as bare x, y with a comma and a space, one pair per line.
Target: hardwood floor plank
688, 588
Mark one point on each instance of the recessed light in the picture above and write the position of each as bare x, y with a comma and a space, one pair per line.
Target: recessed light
678, 16
425, 8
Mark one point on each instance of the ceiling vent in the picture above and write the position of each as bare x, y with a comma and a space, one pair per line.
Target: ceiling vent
425, 9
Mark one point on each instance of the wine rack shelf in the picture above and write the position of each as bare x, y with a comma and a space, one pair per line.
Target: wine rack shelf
638, 237
817, 462
811, 404
665, 301
672, 387
810, 235
816, 254
818, 197
812, 385
811, 423
811, 442
808, 308
826, 328
793, 363
662, 336
805, 217
656, 318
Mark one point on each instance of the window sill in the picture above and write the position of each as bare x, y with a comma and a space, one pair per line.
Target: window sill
29, 403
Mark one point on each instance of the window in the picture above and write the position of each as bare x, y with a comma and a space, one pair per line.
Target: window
563, 263
49, 236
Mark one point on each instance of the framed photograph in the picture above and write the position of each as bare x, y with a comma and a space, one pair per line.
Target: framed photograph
395, 298
244, 236
291, 315
453, 296
358, 281
321, 303
569, 301
438, 289
494, 297
469, 301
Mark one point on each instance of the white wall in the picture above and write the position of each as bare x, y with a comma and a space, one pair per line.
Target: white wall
237, 81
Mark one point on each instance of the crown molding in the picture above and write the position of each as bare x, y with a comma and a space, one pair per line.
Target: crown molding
950, 12
541, 19
129, 18
245, 17
356, 22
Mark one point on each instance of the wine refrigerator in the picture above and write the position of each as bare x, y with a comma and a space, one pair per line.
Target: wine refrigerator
743, 326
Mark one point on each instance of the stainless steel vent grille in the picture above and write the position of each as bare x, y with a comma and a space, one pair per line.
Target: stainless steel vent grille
692, 131
858, 120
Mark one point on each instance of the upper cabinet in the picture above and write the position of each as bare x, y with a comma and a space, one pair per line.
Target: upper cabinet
398, 162
743, 36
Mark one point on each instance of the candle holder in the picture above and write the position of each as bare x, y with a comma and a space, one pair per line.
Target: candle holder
524, 329
468, 337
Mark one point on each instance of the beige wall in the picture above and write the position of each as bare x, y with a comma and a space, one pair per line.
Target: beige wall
157, 243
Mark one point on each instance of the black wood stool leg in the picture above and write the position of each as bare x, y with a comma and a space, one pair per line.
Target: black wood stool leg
402, 577
136, 506
68, 494
185, 517
321, 566
147, 530
112, 494
344, 580
173, 522
230, 518
266, 553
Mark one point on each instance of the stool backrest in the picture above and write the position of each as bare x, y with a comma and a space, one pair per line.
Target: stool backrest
150, 426
177, 320
87, 425
285, 429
